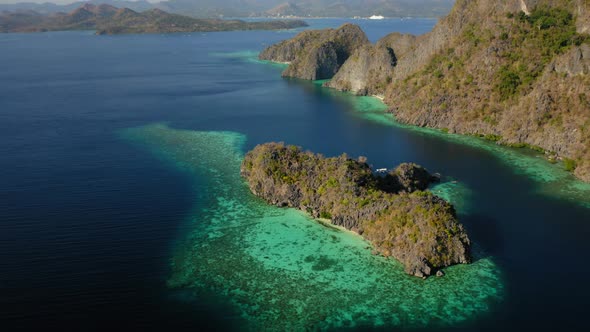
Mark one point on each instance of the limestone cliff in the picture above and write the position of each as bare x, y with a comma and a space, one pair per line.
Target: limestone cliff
515, 71
316, 55
392, 211
370, 68
366, 72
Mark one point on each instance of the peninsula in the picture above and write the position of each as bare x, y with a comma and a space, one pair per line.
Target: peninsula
106, 19
516, 72
394, 212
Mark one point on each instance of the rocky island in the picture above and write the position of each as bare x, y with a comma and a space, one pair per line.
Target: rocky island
516, 72
394, 212
106, 19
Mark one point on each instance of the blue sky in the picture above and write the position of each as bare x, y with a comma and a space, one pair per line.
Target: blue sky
53, 1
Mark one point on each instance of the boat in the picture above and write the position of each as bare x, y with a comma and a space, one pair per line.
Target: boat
376, 17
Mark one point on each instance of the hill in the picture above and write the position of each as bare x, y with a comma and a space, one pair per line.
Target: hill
514, 71
258, 8
392, 211
106, 19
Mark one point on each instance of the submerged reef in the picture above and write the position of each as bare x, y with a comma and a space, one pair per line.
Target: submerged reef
393, 212
284, 272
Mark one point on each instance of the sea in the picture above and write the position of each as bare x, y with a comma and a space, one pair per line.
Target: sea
121, 204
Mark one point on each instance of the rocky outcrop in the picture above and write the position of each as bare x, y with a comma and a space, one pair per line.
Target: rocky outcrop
515, 71
316, 55
370, 68
489, 71
393, 212
366, 72
575, 62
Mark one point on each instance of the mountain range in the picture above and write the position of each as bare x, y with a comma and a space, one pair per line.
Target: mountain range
107, 19
263, 8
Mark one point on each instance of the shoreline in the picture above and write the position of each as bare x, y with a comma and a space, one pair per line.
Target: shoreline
575, 183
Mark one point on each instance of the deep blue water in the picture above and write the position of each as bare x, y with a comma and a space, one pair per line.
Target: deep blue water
88, 221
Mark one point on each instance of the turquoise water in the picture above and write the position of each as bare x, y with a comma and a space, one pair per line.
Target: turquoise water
552, 179
285, 271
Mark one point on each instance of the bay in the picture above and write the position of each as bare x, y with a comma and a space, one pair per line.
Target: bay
91, 219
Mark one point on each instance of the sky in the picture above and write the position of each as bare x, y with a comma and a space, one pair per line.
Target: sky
61, 2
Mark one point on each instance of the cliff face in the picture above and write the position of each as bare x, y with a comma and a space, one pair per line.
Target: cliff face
316, 55
402, 221
366, 72
515, 71
489, 70
371, 68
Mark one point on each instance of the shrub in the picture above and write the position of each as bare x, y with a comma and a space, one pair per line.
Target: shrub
325, 215
509, 81
569, 164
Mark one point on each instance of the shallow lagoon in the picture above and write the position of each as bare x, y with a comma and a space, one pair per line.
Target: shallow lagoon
287, 272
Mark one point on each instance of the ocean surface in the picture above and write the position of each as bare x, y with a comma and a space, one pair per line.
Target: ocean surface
121, 205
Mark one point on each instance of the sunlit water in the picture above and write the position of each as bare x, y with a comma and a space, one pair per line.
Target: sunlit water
122, 206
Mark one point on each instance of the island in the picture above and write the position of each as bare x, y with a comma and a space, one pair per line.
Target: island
394, 211
515, 72
106, 19
257, 8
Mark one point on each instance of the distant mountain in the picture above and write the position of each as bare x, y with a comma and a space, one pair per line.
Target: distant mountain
316, 8
50, 8
107, 19
288, 9
250, 8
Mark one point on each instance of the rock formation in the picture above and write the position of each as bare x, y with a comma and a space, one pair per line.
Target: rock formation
393, 212
515, 71
317, 55
370, 69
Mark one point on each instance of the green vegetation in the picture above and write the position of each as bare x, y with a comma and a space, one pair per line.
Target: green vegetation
512, 75
392, 211
508, 84
569, 164
537, 38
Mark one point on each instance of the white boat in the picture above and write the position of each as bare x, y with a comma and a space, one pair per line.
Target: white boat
376, 17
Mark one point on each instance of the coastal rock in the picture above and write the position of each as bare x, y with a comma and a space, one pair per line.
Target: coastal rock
415, 227
412, 177
366, 72
516, 72
316, 55
470, 76
370, 68
407, 177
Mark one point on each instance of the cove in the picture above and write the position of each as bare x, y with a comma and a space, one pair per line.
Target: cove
551, 179
285, 271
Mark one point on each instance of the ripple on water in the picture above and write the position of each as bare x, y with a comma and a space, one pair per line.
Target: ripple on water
285, 271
